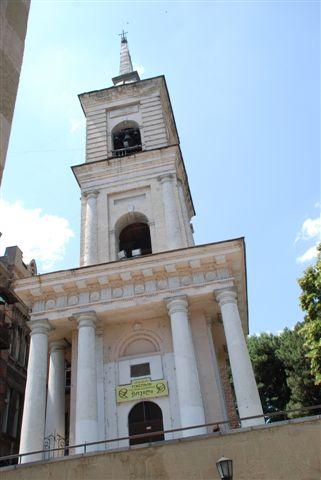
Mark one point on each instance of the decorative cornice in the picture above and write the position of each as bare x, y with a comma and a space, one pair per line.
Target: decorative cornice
138, 167
151, 278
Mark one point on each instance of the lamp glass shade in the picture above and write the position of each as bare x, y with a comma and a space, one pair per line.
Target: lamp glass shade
225, 468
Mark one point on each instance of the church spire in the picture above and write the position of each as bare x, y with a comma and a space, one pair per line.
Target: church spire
126, 71
126, 65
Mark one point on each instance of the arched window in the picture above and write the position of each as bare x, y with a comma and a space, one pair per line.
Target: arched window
126, 139
145, 417
134, 240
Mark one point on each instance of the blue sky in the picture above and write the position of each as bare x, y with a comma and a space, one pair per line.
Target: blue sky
244, 81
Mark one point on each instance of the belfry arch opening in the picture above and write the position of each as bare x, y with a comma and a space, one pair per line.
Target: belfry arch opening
126, 139
134, 240
145, 417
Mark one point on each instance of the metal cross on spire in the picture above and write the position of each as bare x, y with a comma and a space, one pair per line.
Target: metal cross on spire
123, 36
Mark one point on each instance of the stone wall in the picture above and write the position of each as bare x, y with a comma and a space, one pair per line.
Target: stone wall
13, 21
283, 451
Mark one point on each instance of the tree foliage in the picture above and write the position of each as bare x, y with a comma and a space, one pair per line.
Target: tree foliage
269, 371
287, 366
282, 371
310, 301
293, 354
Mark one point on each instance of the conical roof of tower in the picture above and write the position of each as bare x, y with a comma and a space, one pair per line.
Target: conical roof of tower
126, 65
126, 72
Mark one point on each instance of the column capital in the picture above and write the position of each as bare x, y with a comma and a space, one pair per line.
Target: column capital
167, 177
177, 304
56, 345
225, 296
86, 319
91, 194
39, 326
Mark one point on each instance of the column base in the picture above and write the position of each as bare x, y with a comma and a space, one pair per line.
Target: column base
192, 416
86, 431
37, 457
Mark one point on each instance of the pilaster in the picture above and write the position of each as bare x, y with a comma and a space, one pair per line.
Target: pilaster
170, 204
91, 229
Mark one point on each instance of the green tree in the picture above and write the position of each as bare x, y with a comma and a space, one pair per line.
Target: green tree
292, 352
282, 371
310, 301
269, 371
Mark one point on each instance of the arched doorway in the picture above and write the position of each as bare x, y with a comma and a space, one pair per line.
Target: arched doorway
145, 417
135, 239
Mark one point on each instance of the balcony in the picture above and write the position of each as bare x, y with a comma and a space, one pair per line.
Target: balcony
123, 152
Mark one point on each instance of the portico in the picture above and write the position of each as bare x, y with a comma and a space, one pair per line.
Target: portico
131, 299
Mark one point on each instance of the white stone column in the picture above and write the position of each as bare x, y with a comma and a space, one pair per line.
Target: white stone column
91, 229
174, 239
247, 395
33, 420
187, 224
86, 428
188, 387
55, 413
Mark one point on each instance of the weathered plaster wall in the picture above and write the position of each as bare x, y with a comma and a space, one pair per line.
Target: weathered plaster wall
113, 356
13, 22
208, 372
145, 103
275, 452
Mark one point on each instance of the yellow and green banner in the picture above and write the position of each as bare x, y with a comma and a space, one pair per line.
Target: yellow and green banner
140, 389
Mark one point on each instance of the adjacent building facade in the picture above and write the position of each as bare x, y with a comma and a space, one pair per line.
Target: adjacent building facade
14, 348
13, 22
147, 322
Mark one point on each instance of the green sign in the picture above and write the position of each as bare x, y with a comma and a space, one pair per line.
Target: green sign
140, 389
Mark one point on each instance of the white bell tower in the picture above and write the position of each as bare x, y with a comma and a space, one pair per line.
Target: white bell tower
148, 321
135, 194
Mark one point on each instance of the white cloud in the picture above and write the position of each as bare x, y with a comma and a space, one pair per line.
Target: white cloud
309, 255
39, 235
311, 228
310, 231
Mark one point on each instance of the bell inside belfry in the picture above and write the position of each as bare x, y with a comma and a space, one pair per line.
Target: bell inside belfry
127, 141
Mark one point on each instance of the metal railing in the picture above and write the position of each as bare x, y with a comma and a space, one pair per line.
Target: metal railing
122, 152
86, 446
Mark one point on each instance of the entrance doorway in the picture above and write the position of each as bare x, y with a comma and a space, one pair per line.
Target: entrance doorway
145, 417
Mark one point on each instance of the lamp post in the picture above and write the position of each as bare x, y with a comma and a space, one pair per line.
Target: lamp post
225, 468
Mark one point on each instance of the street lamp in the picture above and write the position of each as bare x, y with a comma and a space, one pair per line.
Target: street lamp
225, 468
